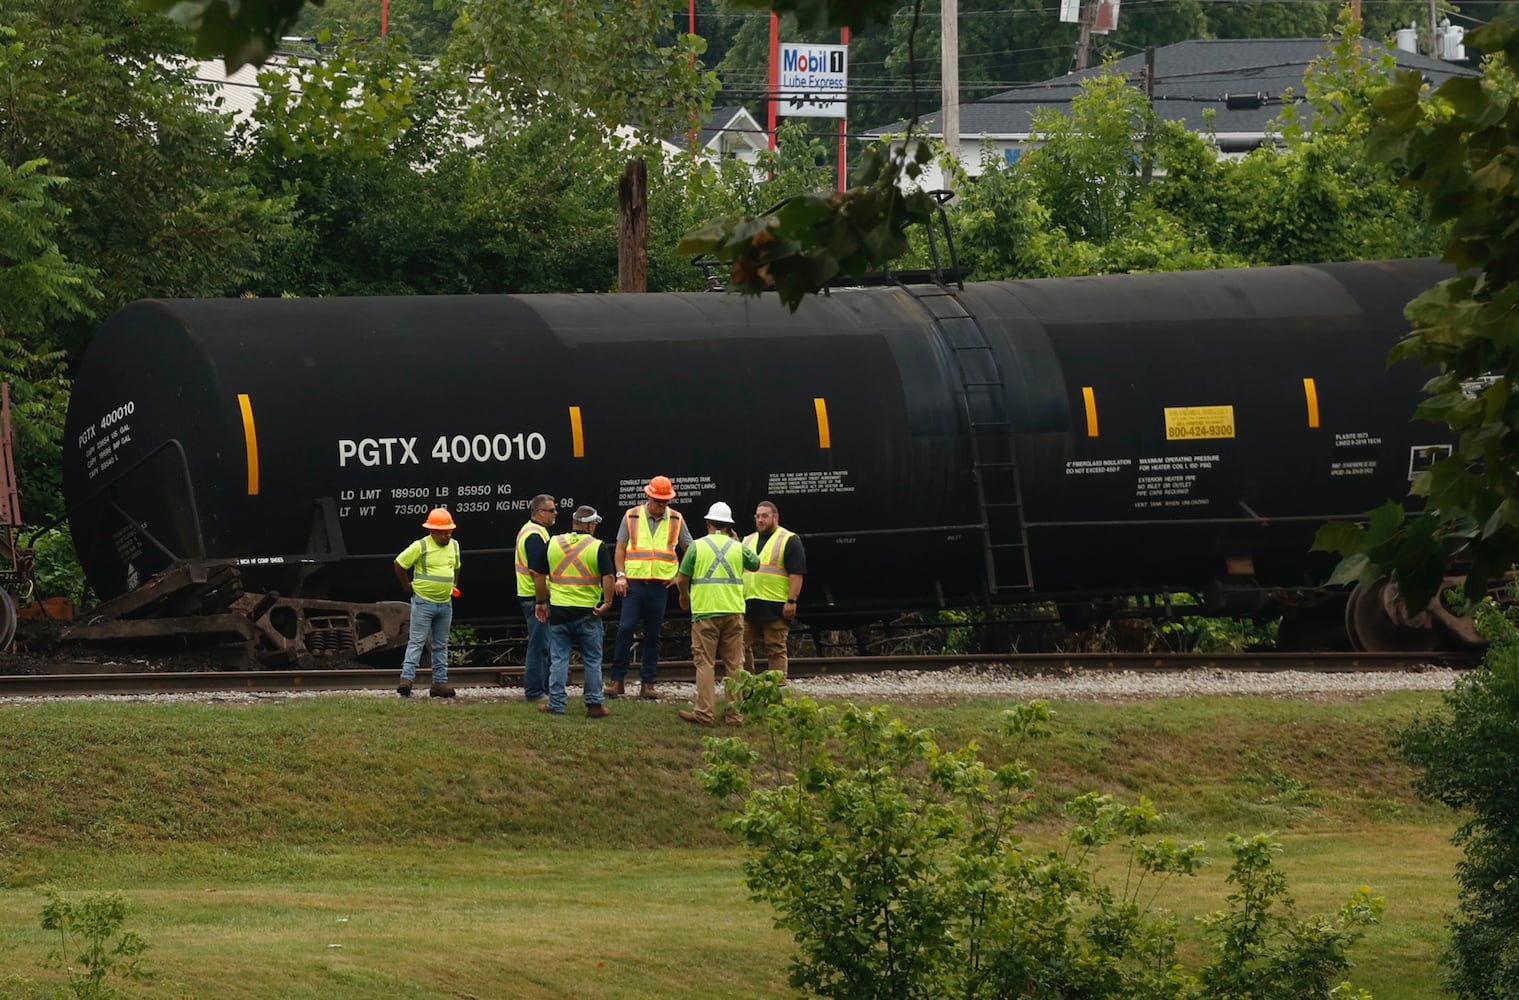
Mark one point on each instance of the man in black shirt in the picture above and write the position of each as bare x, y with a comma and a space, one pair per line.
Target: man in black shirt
771, 592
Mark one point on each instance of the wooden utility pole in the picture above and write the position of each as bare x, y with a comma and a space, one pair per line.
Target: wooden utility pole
1434, 47
633, 228
1355, 9
1084, 38
949, 71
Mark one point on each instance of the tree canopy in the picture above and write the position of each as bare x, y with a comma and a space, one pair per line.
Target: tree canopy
1459, 147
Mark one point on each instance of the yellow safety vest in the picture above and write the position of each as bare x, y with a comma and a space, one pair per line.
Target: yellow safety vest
432, 582
650, 554
524, 571
770, 582
574, 576
717, 583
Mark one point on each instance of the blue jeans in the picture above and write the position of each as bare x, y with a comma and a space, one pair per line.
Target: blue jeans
645, 602
428, 618
535, 673
585, 634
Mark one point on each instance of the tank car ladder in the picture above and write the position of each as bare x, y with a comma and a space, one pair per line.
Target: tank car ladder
994, 455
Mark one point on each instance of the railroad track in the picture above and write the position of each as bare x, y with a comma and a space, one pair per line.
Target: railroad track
90, 678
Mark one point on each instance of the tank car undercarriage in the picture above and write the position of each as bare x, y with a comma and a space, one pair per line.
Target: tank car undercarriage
206, 602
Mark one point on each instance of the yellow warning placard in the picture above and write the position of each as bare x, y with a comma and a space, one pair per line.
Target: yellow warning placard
1192, 423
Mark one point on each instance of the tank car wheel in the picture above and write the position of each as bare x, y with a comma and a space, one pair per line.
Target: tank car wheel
8, 619
1372, 629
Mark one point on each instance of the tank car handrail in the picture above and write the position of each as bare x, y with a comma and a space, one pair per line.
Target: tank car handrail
896, 531
938, 274
184, 463
391, 555
1264, 519
144, 532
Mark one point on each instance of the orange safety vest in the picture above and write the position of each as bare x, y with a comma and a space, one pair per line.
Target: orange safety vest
650, 554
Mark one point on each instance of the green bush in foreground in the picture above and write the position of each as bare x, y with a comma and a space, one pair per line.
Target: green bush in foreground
1469, 756
93, 926
898, 868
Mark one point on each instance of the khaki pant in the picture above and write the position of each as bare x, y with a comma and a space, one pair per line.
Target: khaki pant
711, 637
774, 633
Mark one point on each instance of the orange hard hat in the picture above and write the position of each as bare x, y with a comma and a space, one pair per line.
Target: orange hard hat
660, 488
439, 519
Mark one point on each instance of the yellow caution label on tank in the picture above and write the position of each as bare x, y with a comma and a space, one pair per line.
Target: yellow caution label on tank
1194, 423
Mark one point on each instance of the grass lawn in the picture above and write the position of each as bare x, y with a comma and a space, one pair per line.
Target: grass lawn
355, 846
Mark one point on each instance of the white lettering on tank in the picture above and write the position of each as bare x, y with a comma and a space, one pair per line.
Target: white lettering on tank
378, 451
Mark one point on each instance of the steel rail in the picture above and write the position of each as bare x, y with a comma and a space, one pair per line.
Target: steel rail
88, 679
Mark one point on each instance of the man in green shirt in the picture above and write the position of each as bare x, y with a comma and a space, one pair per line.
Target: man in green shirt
711, 582
429, 571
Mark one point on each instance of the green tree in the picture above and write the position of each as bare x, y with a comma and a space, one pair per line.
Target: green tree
406, 181
1468, 756
157, 203
1319, 195
1460, 148
363, 146
1079, 203
619, 63
427, 26
38, 286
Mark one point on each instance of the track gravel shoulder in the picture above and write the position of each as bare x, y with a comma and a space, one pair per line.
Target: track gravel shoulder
946, 686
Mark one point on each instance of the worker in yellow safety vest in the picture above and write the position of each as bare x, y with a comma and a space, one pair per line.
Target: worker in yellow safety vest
532, 538
771, 591
429, 571
650, 541
711, 582
573, 588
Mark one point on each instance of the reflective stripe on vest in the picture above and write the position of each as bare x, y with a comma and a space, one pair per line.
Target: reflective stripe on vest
574, 576
770, 582
421, 571
647, 555
717, 584
524, 571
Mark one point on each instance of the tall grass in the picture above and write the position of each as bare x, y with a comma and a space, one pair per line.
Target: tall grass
359, 846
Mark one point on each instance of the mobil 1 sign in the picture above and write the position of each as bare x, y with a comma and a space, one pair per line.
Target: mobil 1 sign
814, 80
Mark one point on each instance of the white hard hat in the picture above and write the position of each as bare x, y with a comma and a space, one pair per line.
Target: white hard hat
720, 512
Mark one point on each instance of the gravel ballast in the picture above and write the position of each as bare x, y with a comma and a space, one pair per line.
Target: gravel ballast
942, 686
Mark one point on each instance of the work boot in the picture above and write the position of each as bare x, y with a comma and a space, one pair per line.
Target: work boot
404, 688
694, 718
647, 690
613, 689
440, 691
597, 711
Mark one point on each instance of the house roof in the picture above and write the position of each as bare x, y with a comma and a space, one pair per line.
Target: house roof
1190, 78
732, 122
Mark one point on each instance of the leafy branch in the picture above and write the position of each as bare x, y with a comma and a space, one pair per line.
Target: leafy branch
806, 241
1460, 148
239, 31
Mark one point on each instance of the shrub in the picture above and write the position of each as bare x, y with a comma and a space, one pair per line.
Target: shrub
898, 867
1469, 758
94, 926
